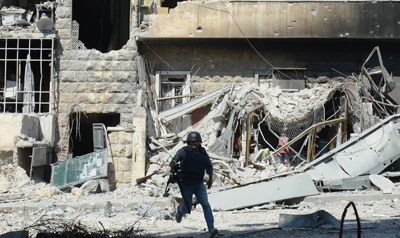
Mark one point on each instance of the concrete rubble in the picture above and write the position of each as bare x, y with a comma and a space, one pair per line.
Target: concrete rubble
246, 170
292, 113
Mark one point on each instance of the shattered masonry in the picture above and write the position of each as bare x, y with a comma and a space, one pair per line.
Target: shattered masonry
134, 87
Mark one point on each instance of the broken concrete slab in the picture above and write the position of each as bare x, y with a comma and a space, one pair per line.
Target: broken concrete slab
312, 220
383, 183
372, 153
10, 196
264, 192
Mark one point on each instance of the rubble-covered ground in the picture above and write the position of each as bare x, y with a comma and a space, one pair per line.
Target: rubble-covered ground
151, 215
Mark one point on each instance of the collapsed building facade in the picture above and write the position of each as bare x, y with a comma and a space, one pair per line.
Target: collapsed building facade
134, 77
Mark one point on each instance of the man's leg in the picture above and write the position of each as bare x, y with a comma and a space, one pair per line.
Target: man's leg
188, 194
201, 194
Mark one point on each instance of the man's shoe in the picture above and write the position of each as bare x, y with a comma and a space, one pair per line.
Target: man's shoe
178, 217
213, 233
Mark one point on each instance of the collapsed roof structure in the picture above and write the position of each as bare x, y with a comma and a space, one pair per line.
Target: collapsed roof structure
337, 140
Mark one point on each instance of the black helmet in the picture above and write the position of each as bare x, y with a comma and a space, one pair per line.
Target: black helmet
193, 136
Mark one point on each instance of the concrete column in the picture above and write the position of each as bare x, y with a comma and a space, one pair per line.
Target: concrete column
139, 143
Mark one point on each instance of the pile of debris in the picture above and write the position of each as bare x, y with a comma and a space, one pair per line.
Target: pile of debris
232, 108
40, 17
325, 107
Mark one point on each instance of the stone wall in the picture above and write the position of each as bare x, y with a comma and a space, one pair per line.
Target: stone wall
120, 157
98, 83
227, 61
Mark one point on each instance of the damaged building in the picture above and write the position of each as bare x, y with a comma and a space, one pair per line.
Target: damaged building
110, 89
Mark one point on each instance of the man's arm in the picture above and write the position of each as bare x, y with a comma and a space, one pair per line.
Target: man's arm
210, 180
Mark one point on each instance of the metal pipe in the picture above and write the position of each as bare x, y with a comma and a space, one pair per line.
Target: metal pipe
345, 123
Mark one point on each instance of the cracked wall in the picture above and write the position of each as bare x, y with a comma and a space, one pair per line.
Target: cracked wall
100, 83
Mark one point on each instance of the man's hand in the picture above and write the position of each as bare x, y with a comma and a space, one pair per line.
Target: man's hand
210, 180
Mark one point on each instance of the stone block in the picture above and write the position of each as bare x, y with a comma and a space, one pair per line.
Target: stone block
126, 118
64, 44
83, 76
120, 137
248, 79
128, 151
77, 65
64, 33
117, 151
216, 79
227, 79
115, 65
63, 12
63, 65
196, 79
123, 164
119, 177
211, 87
237, 79
127, 176
63, 23
104, 65
91, 65
96, 87
67, 76
198, 87
66, 3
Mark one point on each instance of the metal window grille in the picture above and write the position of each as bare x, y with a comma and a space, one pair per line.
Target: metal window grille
13, 62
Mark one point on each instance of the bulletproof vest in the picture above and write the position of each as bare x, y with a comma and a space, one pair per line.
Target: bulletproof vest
193, 165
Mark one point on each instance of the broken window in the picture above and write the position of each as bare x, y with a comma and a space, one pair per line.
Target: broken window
103, 24
170, 86
82, 138
263, 78
26, 75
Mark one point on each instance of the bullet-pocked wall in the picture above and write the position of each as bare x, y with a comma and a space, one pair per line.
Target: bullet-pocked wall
96, 78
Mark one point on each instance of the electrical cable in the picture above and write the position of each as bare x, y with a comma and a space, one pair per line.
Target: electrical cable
248, 41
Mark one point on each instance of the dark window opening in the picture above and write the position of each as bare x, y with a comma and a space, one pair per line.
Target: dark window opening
171, 87
81, 139
170, 3
103, 24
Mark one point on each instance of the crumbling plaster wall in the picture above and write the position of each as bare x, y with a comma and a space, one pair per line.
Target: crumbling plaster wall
98, 83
